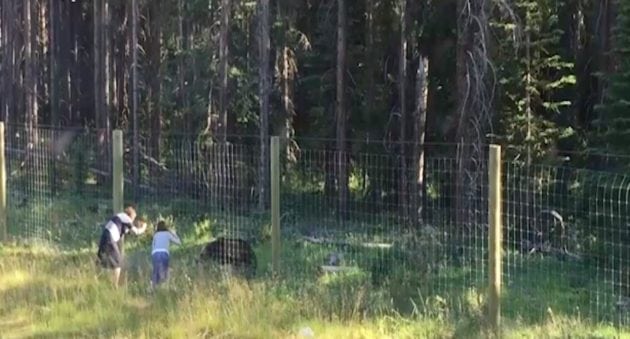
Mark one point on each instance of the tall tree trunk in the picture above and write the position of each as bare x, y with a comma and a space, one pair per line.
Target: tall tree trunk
19, 59
74, 100
30, 64
112, 60
99, 21
54, 43
220, 181
586, 93
3, 63
605, 15
8, 59
154, 94
528, 95
370, 62
102, 76
264, 89
8, 49
419, 133
342, 157
121, 70
108, 83
134, 97
464, 46
44, 72
223, 69
64, 43
402, 99
287, 83
183, 50
473, 111
44, 54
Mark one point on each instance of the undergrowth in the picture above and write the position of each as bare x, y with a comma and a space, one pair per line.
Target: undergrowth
45, 292
52, 288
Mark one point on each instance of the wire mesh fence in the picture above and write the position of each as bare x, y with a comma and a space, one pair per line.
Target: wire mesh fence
199, 181
397, 229
410, 233
566, 242
55, 179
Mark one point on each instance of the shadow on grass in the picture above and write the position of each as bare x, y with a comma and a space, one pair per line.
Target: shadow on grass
533, 294
451, 292
542, 288
63, 307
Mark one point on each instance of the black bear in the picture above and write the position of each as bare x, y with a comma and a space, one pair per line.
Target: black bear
230, 251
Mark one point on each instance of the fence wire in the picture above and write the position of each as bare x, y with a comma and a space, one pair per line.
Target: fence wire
208, 186
58, 181
566, 242
397, 228
409, 235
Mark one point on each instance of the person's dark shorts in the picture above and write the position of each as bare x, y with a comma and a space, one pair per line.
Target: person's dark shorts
109, 260
107, 255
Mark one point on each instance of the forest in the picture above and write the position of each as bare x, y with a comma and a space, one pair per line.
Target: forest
384, 110
540, 76
411, 80
369, 90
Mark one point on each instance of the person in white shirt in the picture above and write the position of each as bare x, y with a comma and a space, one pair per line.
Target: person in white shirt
109, 252
160, 255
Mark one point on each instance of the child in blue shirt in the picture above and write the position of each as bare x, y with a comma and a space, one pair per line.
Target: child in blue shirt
159, 254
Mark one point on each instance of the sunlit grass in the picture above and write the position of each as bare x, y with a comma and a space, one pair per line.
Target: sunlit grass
54, 289
58, 296
44, 293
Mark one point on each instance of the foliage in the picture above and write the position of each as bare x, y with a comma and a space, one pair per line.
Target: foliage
533, 77
37, 298
613, 126
546, 55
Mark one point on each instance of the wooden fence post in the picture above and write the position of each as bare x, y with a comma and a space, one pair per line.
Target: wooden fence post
118, 188
3, 187
494, 237
275, 204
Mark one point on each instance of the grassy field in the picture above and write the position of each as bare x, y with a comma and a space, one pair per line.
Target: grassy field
46, 292
54, 289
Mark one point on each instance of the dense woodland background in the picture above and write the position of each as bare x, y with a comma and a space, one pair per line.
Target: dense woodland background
385, 109
542, 77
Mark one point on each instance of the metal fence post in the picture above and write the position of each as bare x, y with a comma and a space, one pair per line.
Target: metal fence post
117, 179
494, 237
3, 187
275, 204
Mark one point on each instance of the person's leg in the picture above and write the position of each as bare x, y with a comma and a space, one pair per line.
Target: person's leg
166, 266
163, 264
155, 274
116, 264
116, 276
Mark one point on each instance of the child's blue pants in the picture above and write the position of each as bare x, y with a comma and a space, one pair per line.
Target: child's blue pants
160, 267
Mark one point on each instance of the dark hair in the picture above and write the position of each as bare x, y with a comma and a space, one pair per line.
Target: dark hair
161, 226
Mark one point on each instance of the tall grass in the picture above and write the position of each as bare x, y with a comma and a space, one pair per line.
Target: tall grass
47, 293
57, 291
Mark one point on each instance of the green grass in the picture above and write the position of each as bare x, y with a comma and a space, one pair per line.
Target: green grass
47, 293
52, 288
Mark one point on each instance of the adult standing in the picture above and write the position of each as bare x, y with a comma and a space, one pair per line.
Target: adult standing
109, 248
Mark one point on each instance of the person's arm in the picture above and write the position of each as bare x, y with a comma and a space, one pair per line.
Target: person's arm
139, 230
175, 238
127, 224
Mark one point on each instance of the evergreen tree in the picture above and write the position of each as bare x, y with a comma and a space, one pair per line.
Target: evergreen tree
533, 76
613, 125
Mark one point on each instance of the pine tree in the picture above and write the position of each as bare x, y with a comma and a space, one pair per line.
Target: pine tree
614, 118
533, 77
